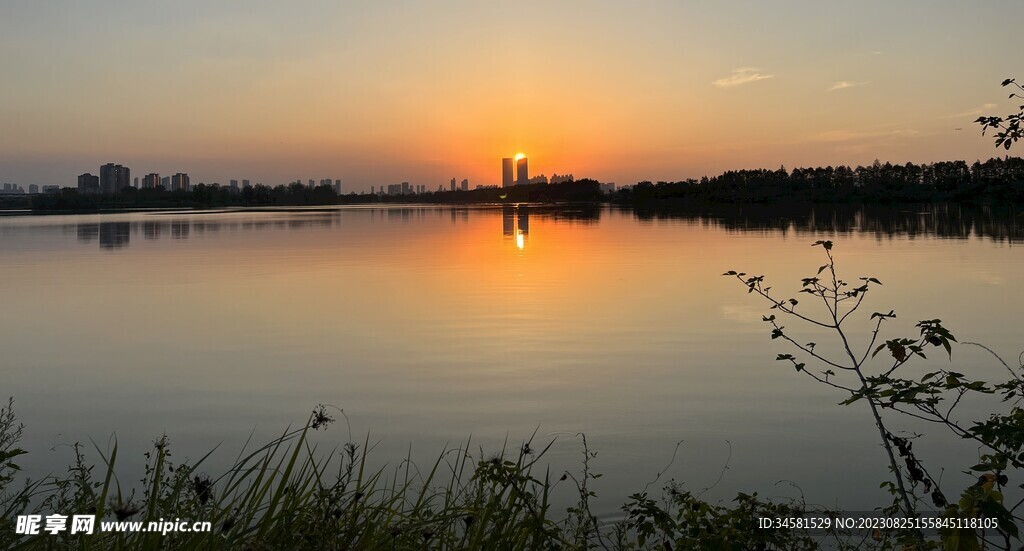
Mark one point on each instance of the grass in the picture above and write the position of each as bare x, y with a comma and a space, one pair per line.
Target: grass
287, 494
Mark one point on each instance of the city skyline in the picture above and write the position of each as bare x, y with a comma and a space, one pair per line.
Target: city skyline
615, 92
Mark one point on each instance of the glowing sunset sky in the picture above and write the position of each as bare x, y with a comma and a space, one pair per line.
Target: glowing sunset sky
380, 92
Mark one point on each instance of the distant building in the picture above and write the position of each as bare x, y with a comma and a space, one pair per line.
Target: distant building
453, 185
136, 184
337, 187
245, 183
311, 184
124, 177
87, 183
180, 182
556, 179
150, 181
51, 189
608, 188
33, 188
114, 178
506, 171
108, 177
465, 184
522, 172
406, 190
542, 179
166, 182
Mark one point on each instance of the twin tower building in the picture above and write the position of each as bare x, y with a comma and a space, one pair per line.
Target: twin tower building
522, 171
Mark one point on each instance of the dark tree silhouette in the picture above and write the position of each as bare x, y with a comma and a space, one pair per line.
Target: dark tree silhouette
1006, 129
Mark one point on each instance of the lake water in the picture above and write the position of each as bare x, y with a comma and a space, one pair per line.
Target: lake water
428, 325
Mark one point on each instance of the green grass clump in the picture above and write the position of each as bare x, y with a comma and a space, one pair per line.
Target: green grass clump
288, 495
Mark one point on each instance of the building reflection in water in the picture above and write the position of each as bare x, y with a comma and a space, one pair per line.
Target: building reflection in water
515, 224
88, 232
114, 235
180, 229
508, 221
994, 222
151, 230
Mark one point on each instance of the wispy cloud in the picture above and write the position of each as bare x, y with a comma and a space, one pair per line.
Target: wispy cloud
743, 75
973, 112
844, 84
834, 136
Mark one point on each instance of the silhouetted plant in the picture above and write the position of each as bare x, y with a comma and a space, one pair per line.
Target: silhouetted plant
1006, 129
932, 397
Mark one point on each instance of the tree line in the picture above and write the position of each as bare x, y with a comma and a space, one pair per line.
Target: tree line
296, 194
945, 181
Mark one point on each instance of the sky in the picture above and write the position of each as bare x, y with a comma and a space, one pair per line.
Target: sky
383, 91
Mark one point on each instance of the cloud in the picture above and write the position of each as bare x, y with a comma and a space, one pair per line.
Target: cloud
743, 314
844, 84
743, 75
836, 136
973, 112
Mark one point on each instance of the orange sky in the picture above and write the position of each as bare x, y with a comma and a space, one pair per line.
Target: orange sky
378, 92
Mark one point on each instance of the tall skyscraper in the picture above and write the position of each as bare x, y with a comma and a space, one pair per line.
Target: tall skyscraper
150, 181
452, 185
506, 172
465, 184
337, 187
522, 172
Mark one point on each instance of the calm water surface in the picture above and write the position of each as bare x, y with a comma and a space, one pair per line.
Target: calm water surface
429, 325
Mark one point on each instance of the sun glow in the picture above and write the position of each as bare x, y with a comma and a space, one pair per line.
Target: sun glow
520, 156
